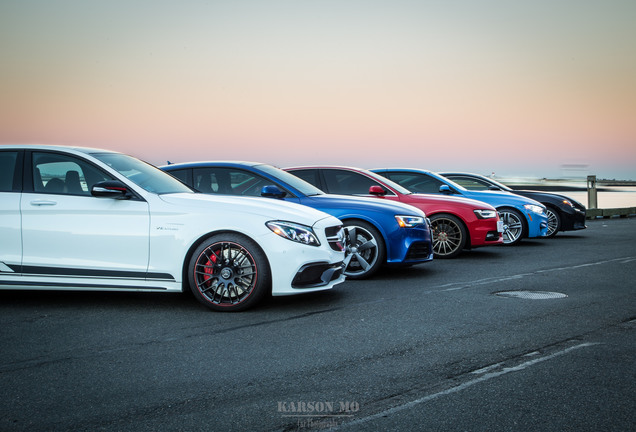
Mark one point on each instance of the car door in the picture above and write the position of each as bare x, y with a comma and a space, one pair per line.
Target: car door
67, 232
10, 224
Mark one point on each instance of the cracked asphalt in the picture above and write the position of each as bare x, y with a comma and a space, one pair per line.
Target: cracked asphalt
428, 348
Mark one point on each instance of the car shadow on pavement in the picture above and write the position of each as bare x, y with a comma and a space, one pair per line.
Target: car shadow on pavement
44, 300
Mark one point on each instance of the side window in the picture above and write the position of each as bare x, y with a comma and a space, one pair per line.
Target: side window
66, 175
416, 183
7, 170
184, 175
212, 180
309, 175
229, 181
470, 183
347, 182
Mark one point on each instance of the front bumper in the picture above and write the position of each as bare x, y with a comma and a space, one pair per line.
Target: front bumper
572, 219
410, 245
485, 232
297, 268
537, 224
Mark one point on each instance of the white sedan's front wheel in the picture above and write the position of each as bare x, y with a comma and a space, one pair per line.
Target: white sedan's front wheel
229, 272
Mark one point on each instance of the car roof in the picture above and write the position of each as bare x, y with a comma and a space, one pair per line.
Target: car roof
87, 150
212, 162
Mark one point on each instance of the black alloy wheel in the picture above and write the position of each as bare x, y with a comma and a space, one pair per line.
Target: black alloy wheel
229, 272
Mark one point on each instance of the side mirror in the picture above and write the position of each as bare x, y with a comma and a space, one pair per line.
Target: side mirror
445, 189
272, 191
377, 191
494, 188
111, 189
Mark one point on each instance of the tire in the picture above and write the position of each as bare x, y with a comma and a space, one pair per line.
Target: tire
515, 226
365, 252
449, 235
229, 272
554, 221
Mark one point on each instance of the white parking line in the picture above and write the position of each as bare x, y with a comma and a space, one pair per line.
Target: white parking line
485, 377
459, 285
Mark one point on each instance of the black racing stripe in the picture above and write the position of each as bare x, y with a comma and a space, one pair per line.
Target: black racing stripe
72, 285
61, 271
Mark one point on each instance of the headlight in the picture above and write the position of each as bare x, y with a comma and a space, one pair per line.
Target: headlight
485, 214
409, 221
533, 208
294, 232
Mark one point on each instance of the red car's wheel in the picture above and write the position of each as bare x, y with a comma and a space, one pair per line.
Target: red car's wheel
449, 235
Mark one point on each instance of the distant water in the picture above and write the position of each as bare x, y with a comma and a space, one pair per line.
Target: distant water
609, 197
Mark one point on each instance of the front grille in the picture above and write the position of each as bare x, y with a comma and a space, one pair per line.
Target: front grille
417, 251
336, 237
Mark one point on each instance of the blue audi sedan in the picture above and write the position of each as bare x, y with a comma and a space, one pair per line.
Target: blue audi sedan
522, 217
378, 232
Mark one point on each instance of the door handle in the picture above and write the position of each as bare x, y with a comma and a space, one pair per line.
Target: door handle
43, 203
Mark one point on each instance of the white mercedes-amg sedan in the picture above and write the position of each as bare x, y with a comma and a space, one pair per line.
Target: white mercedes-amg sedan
88, 219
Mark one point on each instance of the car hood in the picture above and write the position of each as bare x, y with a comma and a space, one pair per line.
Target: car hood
501, 197
547, 196
265, 207
332, 201
447, 200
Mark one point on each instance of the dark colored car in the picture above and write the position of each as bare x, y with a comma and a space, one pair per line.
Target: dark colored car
564, 213
377, 232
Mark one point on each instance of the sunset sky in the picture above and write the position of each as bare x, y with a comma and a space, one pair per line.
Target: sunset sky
518, 88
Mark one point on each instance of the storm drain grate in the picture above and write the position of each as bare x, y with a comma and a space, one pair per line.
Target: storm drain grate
531, 295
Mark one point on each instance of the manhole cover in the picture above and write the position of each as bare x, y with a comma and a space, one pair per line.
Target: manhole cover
531, 295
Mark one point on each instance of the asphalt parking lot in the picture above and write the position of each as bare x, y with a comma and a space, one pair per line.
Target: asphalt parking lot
438, 346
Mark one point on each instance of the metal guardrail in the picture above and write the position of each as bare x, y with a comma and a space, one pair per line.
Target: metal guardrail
595, 213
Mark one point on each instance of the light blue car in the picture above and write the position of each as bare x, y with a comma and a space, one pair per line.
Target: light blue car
522, 217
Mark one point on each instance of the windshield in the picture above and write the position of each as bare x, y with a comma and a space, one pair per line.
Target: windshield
451, 183
389, 183
496, 183
143, 174
297, 183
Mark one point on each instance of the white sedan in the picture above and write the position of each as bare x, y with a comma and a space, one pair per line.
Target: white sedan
86, 219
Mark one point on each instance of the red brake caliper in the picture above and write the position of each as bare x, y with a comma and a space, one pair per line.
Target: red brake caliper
209, 268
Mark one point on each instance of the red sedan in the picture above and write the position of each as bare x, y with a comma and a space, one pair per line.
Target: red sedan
457, 223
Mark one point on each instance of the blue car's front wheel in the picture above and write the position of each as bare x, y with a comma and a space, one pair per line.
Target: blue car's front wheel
514, 225
365, 251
